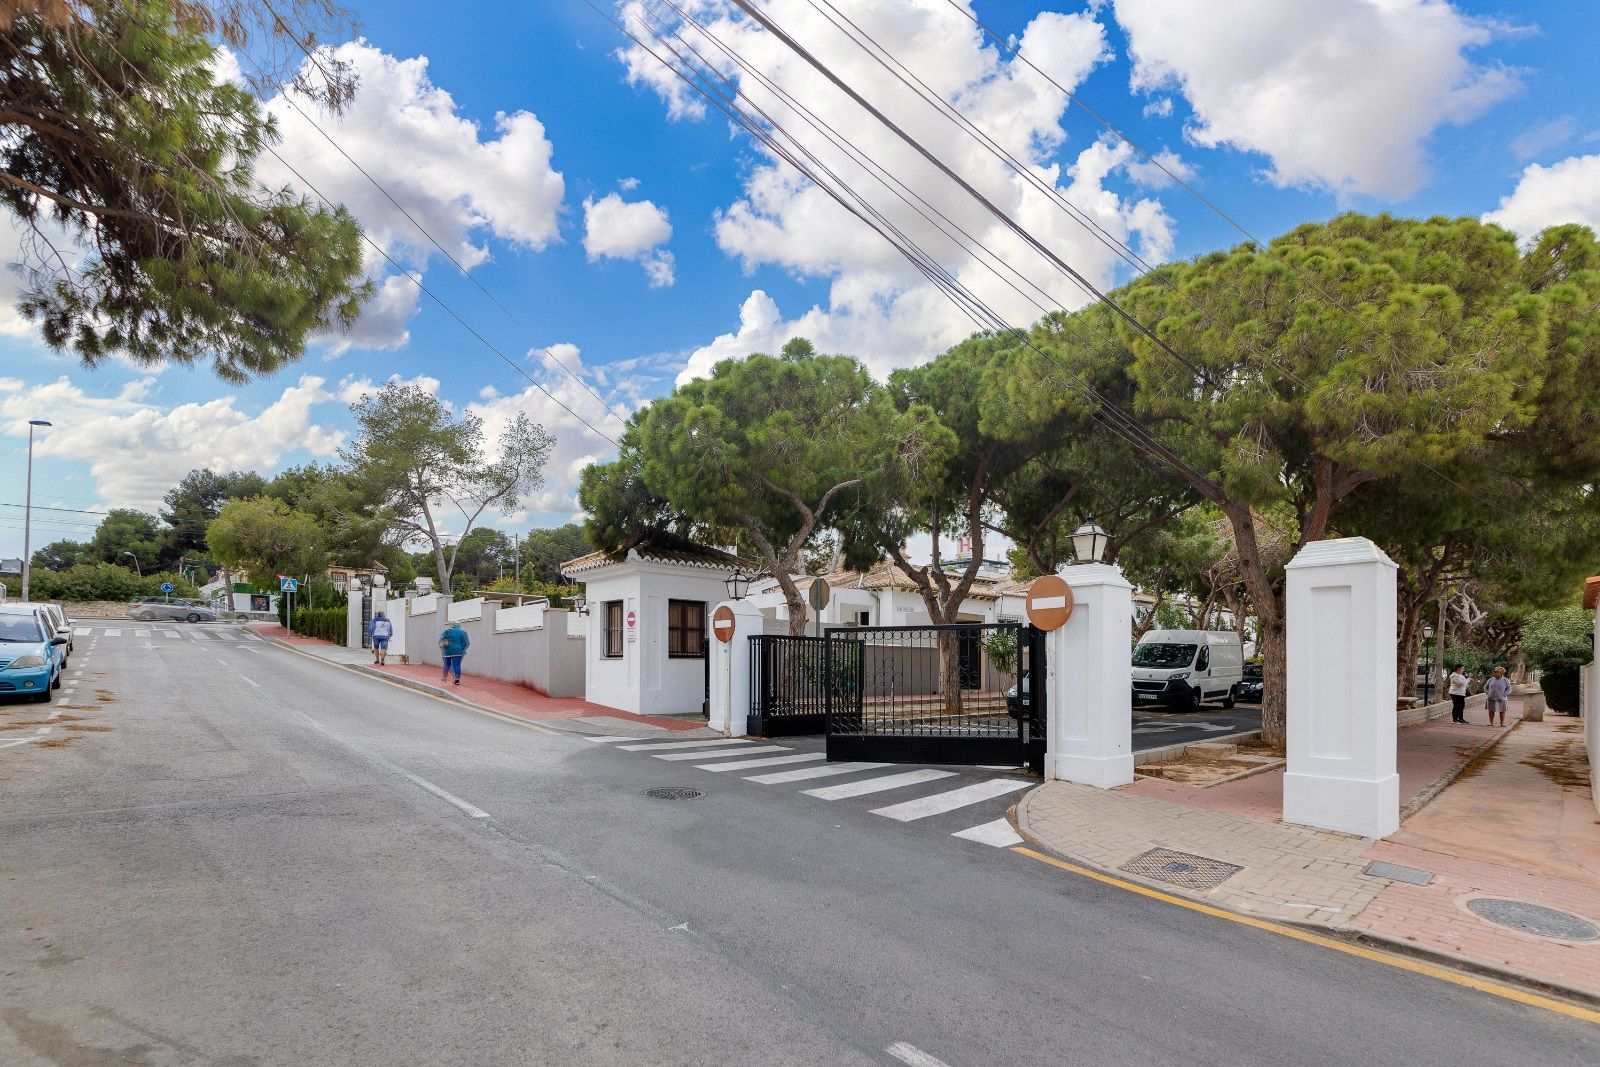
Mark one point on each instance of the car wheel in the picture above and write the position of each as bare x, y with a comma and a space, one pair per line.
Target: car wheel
193, 617
1231, 699
44, 697
55, 683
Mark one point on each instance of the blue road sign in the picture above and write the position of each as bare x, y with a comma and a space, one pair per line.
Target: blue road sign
288, 585
166, 587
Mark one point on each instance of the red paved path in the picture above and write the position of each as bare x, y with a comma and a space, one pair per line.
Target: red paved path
505, 698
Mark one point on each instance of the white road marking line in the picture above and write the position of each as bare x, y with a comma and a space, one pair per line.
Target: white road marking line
940, 803
79, 673
42, 731
113, 633
998, 833
746, 764
660, 747
608, 740
448, 798
170, 633
828, 771
720, 754
82, 631
913, 1055
878, 785
223, 636
59, 708
141, 633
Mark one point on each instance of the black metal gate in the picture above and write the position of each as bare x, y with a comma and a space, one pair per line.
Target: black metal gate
787, 676
961, 693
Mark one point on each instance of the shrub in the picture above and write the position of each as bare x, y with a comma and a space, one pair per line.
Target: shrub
104, 581
327, 624
1558, 640
1561, 689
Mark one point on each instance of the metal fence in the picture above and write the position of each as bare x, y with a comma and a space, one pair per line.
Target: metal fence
787, 679
954, 693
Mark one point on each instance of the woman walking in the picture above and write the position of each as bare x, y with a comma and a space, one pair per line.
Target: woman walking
382, 631
1458, 695
452, 646
1497, 693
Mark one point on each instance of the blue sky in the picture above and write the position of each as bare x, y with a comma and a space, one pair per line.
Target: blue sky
638, 239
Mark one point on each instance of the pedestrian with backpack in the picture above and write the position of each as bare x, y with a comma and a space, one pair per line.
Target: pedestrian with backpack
453, 644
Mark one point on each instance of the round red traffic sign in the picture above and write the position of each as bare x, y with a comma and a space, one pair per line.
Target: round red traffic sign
723, 623
1049, 602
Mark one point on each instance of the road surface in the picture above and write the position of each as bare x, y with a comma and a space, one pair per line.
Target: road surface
224, 852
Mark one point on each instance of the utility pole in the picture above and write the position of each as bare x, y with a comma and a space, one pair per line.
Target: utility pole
27, 513
516, 551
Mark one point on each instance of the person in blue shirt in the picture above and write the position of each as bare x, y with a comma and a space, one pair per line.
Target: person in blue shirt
382, 630
452, 646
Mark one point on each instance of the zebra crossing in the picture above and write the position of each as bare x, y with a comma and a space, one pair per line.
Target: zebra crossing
157, 632
781, 765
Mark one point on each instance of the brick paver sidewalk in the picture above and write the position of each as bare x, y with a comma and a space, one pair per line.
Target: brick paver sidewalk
505, 698
1519, 824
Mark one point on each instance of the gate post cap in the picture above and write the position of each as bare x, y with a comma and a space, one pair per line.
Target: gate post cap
1084, 575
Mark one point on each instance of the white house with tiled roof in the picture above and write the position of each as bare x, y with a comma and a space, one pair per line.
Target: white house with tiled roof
646, 627
885, 596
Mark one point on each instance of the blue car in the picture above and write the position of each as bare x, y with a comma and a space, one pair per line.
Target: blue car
30, 654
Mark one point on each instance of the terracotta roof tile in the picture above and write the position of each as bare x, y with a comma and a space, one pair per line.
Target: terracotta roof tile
688, 555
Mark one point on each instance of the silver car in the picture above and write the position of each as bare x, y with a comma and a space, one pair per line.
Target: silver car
160, 608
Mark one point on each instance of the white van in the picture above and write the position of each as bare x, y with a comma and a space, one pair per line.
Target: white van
1185, 668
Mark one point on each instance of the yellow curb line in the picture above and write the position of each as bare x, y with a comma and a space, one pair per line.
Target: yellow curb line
1415, 966
453, 702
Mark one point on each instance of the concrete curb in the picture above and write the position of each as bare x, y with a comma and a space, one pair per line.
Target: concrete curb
1438, 785
404, 683
1169, 753
1400, 947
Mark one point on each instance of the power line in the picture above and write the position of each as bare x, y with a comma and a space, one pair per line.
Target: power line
41, 507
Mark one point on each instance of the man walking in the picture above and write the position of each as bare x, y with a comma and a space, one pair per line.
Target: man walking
1497, 692
1458, 695
382, 630
452, 646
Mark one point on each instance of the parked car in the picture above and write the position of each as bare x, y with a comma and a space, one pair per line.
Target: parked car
63, 624
155, 608
31, 652
1251, 686
1185, 668
1016, 695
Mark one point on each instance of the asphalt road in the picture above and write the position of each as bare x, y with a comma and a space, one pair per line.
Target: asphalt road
1157, 727
238, 855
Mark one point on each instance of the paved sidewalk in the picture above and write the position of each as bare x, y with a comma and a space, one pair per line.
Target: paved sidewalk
1519, 824
505, 698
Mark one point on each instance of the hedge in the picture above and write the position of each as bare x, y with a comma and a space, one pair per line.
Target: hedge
102, 581
325, 623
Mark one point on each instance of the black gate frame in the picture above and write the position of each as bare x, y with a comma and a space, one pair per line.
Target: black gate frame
852, 736
786, 685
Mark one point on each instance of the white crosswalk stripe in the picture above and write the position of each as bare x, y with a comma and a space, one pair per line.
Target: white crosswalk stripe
113, 633
720, 753
940, 803
657, 746
164, 633
805, 773
772, 761
878, 785
141, 633
609, 740
81, 631
998, 833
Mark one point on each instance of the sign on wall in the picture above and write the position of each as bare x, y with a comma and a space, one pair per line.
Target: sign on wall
633, 626
1049, 602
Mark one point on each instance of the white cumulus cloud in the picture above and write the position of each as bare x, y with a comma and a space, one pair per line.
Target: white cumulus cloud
462, 184
1338, 94
137, 450
878, 306
1568, 191
614, 228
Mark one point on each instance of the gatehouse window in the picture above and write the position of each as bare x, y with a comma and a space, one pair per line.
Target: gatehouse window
686, 629
613, 629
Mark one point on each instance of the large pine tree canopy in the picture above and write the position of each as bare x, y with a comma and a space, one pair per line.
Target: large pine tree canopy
128, 164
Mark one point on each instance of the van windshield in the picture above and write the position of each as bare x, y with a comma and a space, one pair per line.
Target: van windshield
1163, 655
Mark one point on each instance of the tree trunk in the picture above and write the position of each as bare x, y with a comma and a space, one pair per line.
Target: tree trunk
950, 671
1268, 603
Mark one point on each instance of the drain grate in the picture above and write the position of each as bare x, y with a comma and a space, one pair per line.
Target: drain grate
1181, 868
1534, 919
1398, 873
674, 792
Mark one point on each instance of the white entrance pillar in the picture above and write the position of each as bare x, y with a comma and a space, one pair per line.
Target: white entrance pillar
1342, 633
730, 668
352, 616
1089, 690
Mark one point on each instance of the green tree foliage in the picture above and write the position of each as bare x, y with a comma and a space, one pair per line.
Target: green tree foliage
482, 556
772, 447
197, 499
544, 551
1558, 639
125, 530
129, 167
265, 537
410, 453
60, 555
1361, 350
358, 530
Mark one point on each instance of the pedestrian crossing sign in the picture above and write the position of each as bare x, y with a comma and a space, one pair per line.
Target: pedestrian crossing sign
288, 585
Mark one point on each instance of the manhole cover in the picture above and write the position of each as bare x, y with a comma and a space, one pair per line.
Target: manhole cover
673, 792
1533, 919
1181, 868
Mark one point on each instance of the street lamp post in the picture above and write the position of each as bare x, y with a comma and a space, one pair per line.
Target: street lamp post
27, 513
1089, 542
138, 569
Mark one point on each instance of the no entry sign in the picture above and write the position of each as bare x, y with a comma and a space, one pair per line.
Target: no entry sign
723, 624
633, 626
1049, 602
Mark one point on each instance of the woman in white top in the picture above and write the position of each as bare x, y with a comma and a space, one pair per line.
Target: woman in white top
1458, 695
